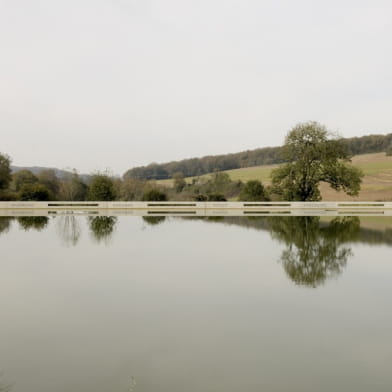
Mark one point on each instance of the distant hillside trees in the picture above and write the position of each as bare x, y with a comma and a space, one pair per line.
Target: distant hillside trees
368, 144
261, 156
199, 166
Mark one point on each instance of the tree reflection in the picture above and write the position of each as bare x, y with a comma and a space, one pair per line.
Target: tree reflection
69, 229
102, 227
4, 387
5, 224
33, 222
154, 220
314, 250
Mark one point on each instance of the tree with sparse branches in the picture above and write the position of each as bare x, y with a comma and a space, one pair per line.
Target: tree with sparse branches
314, 155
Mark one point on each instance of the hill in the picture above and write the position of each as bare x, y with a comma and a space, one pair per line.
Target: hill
246, 159
61, 174
377, 183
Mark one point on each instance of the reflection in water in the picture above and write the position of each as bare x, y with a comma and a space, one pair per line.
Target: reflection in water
5, 224
3, 386
169, 302
154, 220
33, 222
314, 247
132, 385
102, 227
314, 252
69, 229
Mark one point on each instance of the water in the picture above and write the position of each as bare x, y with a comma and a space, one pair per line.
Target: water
98, 304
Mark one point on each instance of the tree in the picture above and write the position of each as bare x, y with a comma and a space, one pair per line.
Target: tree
21, 178
73, 188
131, 189
253, 191
313, 156
218, 182
49, 179
101, 188
5, 171
389, 151
178, 182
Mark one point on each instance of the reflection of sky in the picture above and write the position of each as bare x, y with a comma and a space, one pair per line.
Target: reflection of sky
186, 305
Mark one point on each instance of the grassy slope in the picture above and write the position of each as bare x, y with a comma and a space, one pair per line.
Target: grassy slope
377, 183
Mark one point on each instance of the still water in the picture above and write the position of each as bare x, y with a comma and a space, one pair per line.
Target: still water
99, 304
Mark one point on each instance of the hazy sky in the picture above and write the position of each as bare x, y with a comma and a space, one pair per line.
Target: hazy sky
93, 84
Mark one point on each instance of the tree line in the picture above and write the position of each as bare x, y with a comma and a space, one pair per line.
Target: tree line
260, 156
47, 186
311, 155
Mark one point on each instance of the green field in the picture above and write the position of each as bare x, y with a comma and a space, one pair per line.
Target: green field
377, 183
261, 173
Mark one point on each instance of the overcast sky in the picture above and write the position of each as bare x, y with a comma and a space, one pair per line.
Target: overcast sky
95, 84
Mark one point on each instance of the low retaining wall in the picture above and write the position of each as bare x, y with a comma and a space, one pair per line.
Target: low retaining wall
196, 208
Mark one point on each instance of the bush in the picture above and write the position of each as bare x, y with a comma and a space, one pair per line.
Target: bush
200, 197
253, 191
34, 192
101, 188
216, 197
7, 196
154, 195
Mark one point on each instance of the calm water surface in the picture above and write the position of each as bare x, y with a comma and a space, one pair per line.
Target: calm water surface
99, 304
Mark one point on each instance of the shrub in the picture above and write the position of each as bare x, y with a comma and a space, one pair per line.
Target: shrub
253, 191
36, 192
154, 195
101, 188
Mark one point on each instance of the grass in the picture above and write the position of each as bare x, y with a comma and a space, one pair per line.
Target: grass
377, 183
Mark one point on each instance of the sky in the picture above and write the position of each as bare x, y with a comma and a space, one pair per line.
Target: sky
112, 84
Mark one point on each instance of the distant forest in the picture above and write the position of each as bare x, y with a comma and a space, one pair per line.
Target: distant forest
260, 156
